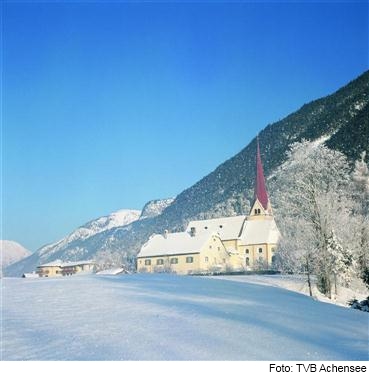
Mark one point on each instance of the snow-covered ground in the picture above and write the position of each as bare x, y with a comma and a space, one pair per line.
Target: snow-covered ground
168, 317
298, 283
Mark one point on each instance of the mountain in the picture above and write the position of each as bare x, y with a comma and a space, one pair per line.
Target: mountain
95, 236
155, 207
11, 252
77, 245
341, 120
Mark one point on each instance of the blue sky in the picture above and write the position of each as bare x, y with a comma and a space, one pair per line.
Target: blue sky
106, 105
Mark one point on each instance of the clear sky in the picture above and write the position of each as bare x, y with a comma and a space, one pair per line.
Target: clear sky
106, 105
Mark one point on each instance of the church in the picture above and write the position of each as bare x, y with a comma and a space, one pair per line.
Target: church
224, 244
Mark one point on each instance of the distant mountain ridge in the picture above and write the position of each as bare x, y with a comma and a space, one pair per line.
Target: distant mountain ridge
88, 239
155, 207
340, 119
11, 252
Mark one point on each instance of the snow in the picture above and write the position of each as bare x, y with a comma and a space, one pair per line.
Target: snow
260, 232
111, 271
174, 243
60, 263
228, 228
119, 218
30, 275
298, 283
169, 317
155, 208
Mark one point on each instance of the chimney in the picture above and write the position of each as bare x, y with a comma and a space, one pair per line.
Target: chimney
166, 233
193, 232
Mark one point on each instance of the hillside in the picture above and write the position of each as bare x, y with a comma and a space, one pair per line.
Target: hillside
185, 318
91, 238
11, 252
342, 119
73, 246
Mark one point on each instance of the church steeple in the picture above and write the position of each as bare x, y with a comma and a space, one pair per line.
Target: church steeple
260, 189
261, 205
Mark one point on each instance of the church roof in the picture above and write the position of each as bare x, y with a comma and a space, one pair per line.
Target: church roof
228, 228
260, 231
174, 243
260, 189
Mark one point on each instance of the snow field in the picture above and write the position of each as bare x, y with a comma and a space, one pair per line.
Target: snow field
168, 317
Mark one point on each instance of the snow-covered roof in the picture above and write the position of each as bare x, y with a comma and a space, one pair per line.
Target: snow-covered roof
260, 231
111, 271
228, 227
174, 243
55, 263
59, 263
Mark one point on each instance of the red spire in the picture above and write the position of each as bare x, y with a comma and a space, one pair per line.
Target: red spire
260, 189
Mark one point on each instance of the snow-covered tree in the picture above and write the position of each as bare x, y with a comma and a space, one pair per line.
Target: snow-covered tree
106, 259
311, 200
339, 261
360, 178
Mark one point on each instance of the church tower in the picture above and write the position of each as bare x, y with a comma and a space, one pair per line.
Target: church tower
261, 208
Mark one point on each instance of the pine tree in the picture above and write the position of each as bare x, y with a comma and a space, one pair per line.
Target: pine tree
340, 261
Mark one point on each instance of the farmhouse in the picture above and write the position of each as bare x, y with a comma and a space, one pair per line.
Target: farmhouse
59, 268
226, 243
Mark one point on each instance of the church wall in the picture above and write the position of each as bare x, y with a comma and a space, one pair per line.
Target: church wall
182, 266
214, 256
256, 258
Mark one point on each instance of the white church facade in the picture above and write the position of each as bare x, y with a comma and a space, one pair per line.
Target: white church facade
218, 245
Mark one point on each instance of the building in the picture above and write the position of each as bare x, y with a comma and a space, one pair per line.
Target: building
226, 243
183, 252
59, 268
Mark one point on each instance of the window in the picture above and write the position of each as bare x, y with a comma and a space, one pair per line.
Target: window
220, 226
260, 250
173, 260
206, 227
210, 247
140, 261
206, 259
189, 259
147, 262
273, 249
247, 251
247, 261
159, 262
256, 211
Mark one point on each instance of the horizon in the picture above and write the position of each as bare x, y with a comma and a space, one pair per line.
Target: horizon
123, 103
